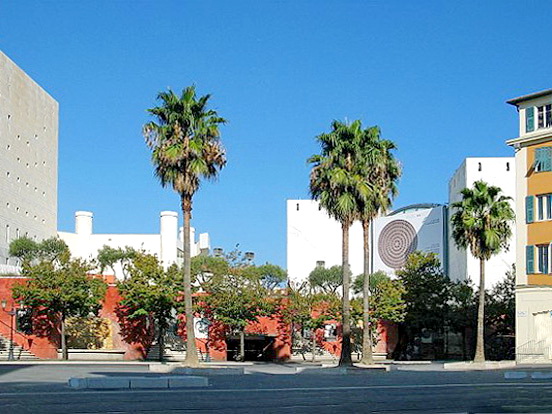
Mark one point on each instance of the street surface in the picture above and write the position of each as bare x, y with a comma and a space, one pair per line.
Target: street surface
272, 388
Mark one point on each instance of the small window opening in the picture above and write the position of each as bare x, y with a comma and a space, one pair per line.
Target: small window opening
479, 168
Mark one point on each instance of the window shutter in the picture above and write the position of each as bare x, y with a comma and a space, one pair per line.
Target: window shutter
529, 259
530, 119
529, 209
546, 159
538, 159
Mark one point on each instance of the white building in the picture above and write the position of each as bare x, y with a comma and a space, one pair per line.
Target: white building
496, 171
167, 245
315, 238
28, 160
418, 227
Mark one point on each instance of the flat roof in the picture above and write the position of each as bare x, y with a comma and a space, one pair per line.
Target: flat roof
534, 95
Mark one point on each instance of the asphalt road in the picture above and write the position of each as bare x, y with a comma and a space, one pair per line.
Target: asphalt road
272, 389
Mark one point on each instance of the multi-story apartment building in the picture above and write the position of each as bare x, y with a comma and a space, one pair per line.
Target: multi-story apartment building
28, 160
496, 171
533, 149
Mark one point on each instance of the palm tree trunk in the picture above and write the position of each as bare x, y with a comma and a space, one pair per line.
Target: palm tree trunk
345, 357
480, 345
313, 345
64, 350
242, 345
367, 356
191, 351
161, 342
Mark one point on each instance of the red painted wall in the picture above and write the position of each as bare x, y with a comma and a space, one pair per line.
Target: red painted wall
41, 346
135, 337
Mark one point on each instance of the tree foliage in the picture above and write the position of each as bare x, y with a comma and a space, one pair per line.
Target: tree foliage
326, 280
235, 292
386, 298
53, 250
109, 257
58, 286
426, 292
482, 220
152, 292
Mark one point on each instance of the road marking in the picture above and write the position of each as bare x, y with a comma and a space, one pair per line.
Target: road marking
287, 389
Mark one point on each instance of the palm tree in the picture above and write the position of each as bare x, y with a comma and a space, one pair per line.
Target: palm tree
482, 224
382, 171
186, 147
336, 183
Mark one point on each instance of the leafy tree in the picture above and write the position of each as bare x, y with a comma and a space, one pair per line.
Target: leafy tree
427, 292
236, 299
24, 248
185, 145
481, 223
387, 303
59, 286
500, 317
461, 313
310, 310
381, 170
326, 280
150, 291
271, 275
204, 268
338, 186
109, 257
29, 251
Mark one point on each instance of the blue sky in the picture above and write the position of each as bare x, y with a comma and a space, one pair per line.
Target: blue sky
434, 75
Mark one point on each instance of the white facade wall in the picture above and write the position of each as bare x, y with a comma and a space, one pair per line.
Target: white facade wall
496, 171
314, 236
415, 228
28, 159
166, 245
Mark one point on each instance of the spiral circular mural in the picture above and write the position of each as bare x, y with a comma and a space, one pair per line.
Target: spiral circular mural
396, 241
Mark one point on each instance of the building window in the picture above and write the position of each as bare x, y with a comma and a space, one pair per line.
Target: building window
7, 233
507, 166
540, 117
544, 207
543, 258
548, 111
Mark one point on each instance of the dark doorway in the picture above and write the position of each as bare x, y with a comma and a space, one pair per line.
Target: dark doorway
257, 348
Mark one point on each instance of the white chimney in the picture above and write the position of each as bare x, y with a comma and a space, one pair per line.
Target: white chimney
169, 233
83, 223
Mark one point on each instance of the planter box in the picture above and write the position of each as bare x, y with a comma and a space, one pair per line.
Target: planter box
94, 354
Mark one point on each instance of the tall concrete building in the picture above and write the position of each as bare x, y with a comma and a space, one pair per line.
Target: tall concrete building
28, 160
496, 171
533, 150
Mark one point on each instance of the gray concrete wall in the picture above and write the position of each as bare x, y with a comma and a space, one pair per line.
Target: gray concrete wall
28, 158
